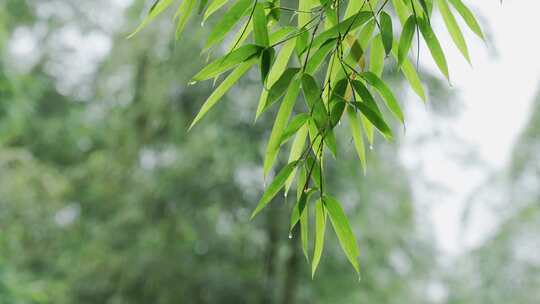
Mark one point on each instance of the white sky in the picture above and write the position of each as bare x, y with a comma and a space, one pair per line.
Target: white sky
496, 95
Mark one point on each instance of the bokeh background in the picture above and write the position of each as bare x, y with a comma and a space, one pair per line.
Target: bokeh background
106, 198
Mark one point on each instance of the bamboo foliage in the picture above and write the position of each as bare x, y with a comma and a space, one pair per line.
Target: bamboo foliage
333, 53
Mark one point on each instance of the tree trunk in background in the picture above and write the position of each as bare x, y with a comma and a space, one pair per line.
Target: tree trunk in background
291, 274
272, 229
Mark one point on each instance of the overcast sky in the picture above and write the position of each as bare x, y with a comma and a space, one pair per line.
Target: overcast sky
495, 97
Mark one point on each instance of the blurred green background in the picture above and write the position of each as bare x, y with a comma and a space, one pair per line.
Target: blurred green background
106, 198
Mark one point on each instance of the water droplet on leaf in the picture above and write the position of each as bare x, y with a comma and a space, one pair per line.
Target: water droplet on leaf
290, 235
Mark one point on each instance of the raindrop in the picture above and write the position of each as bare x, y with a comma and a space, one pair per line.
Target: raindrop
192, 83
202, 23
290, 235
371, 147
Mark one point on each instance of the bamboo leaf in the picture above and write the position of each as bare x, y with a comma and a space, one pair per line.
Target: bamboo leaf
386, 94
267, 57
279, 88
343, 231
222, 89
202, 5
411, 75
157, 8
376, 58
468, 16
229, 19
183, 13
318, 57
387, 32
434, 46
312, 94
277, 69
375, 118
260, 30
358, 140
274, 187
228, 62
297, 148
213, 7
405, 40
453, 29
341, 28
320, 227
296, 123
366, 96
279, 125
304, 230
425, 8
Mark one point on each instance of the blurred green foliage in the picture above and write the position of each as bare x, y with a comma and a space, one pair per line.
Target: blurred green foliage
106, 198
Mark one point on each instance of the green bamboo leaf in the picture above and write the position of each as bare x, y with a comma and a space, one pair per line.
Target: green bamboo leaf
296, 123
343, 231
425, 8
213, 7
312, 94
341, 28
357, 137
338, 107
260, 30
366, 33
386, 94
277, 69
282, 117
366, 96
305, 5
157, 8
227, 22
411, 75
228, 62
434, 46
282, 34
275, 186
468, 16
222, 89
304, 230
376, 58
297, 148
331, 142
279, 88
182, 14
387, 32
202, 5
301, 187
402, 11
318, 57
453, 29
375, 118
320, 227
267, 57
405, 40
337, 104
313, 166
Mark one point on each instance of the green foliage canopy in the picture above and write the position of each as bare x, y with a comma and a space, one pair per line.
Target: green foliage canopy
335, 53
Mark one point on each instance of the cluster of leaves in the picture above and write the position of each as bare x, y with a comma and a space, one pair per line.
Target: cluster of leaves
335, 53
